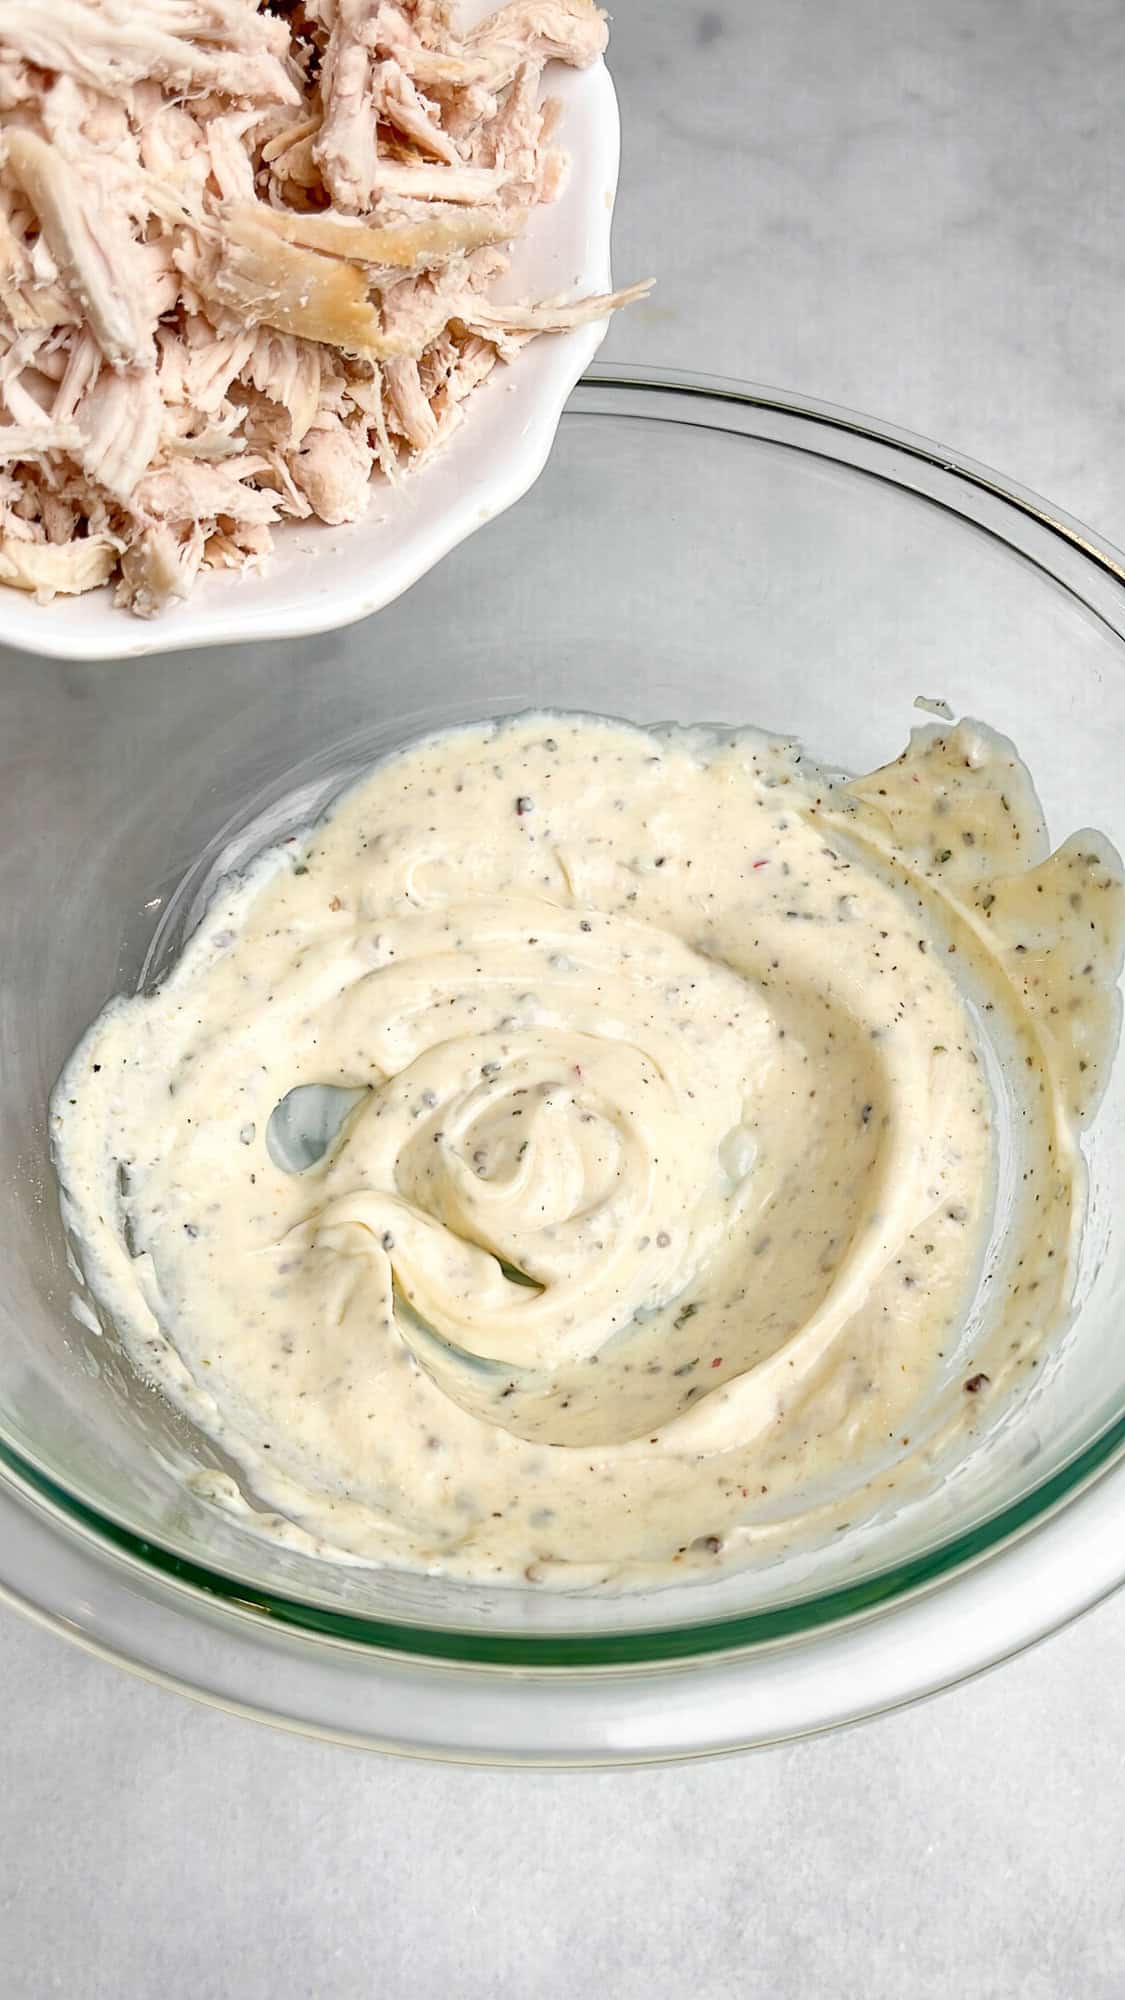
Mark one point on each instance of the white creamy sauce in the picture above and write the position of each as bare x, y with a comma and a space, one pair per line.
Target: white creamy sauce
632, 1203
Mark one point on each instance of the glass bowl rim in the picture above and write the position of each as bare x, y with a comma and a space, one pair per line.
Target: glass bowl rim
608, 390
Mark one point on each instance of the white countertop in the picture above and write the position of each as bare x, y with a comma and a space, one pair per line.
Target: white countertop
913, 210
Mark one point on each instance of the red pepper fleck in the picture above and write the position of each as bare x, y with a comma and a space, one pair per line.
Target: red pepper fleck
762, 864
717, 1362
976, 1382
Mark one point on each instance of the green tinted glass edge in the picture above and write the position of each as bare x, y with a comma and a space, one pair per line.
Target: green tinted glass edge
650, 1648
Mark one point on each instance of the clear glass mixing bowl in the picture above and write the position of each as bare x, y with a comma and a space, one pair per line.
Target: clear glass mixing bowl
696, 552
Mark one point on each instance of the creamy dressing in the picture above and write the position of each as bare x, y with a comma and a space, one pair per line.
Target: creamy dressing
575, 1157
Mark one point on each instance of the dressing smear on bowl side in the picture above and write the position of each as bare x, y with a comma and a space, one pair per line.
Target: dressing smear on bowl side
575, 1158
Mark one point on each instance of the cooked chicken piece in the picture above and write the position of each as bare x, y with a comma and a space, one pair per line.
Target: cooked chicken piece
187, 45
198, 366
569, 31
292, 501
83, 362
409, 412
475, 361
29, 353
481, 316
297, 174
174, 152
287, 371
193, 490
333, 467
13, 526
397, 246
439, 63
50, 571
471, 361
211, 443
75, 117
15, 83
553, 165
511, 142
59, 478
160, 278
25, 392
431, 70
418, 182
398, 102
91, 246
435, 364
346, 148
248, 271
51, 354
417, 311
232, 169
365, 391
432, 22
239, 547
21, 442
15, 257
44, 270
160, 566
59, 518
121, 418
291, 134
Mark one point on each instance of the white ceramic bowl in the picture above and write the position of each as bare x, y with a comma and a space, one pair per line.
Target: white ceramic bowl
320, 577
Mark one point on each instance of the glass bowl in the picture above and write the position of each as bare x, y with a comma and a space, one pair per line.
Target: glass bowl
695, 551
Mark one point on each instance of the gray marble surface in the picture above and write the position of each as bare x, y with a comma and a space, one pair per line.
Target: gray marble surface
914, 210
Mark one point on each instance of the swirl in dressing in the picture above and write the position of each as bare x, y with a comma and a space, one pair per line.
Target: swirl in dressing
667, 1169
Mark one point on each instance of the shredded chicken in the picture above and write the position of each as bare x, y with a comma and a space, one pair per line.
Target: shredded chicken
248, 251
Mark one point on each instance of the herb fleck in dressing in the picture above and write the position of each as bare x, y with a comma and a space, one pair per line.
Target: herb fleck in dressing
641, 1213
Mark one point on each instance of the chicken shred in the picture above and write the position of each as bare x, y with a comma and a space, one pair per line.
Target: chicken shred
247, 258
